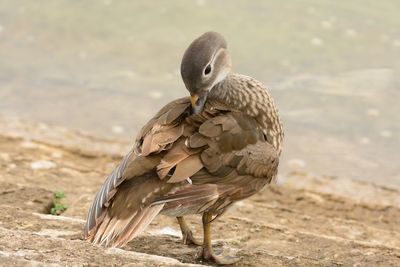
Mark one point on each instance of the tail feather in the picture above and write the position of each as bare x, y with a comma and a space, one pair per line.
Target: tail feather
130, 211
117, 232
138, 227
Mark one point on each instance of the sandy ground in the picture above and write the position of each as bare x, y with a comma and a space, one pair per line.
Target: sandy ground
305, 221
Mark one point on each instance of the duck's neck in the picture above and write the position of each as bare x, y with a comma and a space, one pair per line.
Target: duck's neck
251, 97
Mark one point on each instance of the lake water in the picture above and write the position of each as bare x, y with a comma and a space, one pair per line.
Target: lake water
107, 66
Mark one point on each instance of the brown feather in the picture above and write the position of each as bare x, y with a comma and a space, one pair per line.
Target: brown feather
159, 137
197, 140
180, 106
186, 168
178, 153
171, 159
210, 128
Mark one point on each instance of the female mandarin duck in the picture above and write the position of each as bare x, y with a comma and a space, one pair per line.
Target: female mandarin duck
197, 155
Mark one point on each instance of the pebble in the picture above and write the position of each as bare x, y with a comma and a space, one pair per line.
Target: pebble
43, 165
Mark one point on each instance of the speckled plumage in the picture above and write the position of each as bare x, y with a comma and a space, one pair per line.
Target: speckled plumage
251, 97
197, 155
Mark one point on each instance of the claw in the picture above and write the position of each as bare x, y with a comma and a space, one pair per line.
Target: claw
187, 234
220, 259
189, 239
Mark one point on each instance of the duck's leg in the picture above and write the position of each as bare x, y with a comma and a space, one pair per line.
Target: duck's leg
208, 252
187, 234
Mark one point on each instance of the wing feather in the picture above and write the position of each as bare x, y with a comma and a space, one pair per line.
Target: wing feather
105, 194
186, 169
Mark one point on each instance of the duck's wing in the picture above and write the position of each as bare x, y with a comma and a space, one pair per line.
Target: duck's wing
181, 160
233, 160
118, 210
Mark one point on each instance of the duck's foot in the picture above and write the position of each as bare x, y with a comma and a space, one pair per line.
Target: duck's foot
220, 259
189, 239
207, 251
187, 234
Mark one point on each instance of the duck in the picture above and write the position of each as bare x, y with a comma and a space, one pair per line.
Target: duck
198, 155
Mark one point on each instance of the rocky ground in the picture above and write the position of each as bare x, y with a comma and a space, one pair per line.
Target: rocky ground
305, 221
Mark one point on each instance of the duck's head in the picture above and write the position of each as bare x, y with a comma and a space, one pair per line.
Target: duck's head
205, 63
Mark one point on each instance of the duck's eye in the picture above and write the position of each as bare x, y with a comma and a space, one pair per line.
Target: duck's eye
207, 70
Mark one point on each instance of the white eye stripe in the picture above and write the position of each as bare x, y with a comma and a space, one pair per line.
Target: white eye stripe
220, 77
211, 62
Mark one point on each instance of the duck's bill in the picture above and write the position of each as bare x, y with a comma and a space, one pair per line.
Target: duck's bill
198, 101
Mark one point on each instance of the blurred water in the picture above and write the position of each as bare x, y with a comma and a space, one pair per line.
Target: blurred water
107, 66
